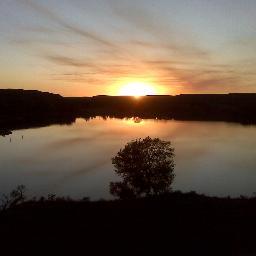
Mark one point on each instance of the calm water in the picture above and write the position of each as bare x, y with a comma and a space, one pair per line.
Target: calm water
214, 158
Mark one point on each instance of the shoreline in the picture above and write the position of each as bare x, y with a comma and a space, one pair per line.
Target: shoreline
179, 223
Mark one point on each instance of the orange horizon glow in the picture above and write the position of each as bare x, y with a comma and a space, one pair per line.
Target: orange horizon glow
137, 87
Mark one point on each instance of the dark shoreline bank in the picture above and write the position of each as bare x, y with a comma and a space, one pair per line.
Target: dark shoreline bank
176, 223
20, 109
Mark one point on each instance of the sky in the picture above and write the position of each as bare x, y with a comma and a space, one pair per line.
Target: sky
92, 47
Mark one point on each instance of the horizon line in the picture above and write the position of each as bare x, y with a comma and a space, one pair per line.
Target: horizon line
136, 96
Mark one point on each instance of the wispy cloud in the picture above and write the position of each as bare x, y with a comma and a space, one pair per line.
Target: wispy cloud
68, 61
72, 28
159, 33
139, 43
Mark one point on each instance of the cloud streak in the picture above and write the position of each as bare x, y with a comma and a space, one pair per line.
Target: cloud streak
74, 29
68, 61
140, 43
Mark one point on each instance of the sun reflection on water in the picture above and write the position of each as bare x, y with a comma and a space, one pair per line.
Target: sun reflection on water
134, 121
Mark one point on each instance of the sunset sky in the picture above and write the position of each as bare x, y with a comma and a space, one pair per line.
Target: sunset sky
91, 47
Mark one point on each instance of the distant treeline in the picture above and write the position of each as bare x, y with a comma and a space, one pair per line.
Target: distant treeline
29, 108
202, 107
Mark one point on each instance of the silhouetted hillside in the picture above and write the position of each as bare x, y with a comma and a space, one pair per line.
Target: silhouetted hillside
20, 101
208, 107
24, 108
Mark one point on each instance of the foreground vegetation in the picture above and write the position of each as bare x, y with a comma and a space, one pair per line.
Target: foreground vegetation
169, 224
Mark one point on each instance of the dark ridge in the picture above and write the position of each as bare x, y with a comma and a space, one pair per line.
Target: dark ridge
21, 109
30, 108
205, 107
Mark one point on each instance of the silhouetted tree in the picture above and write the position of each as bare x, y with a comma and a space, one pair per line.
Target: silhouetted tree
146, 167
4, 202
51, 197
16, 196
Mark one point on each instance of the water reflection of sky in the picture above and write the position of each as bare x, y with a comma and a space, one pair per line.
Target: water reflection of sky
211, 157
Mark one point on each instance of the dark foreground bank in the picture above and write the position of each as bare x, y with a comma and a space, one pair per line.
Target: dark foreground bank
174, 224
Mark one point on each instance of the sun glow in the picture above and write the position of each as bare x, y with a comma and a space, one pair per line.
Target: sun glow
136, 89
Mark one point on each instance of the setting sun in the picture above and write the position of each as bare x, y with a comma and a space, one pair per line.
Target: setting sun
137, 89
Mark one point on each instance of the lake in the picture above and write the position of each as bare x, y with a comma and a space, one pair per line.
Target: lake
214, 158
